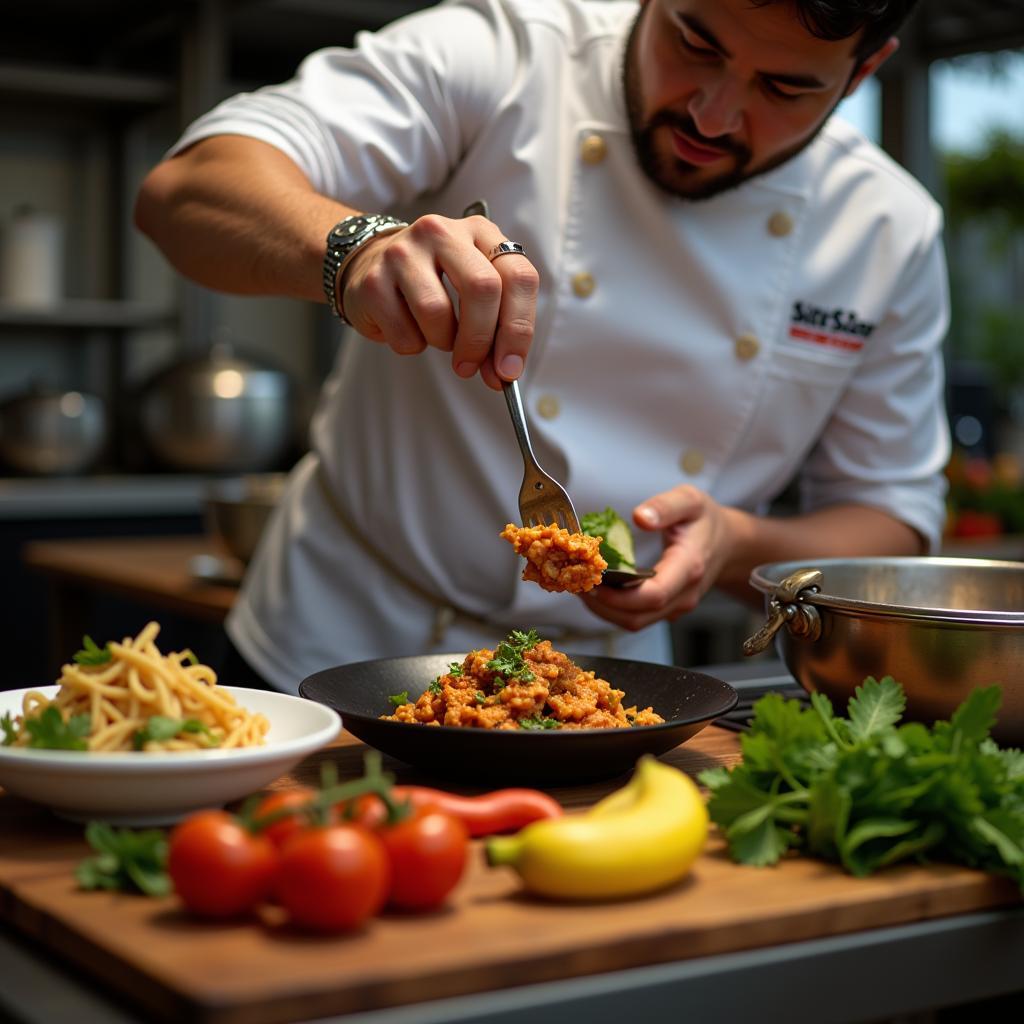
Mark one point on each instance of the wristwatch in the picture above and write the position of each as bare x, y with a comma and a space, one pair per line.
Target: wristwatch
342, 242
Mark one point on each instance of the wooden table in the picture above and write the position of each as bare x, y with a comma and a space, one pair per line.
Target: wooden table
724, 945
153, 570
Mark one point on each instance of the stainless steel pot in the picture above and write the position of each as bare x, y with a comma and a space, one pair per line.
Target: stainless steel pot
939, 626
237, 510
52, 432
219, 413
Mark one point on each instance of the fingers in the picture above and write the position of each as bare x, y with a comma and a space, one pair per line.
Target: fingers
677, 588
679, 505
395, 293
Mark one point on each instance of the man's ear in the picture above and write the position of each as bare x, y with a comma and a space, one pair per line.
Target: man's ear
871, 64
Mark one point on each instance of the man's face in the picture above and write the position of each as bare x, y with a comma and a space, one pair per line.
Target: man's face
719, 91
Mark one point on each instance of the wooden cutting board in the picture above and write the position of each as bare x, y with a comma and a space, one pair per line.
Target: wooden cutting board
489, 937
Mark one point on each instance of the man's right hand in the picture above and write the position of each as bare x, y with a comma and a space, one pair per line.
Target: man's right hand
392, 292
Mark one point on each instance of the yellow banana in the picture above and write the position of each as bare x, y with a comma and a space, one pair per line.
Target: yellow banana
642, 837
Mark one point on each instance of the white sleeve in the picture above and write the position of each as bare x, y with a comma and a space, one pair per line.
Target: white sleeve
388, 120
887, 442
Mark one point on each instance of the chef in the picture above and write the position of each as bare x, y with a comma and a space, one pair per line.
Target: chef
707, 285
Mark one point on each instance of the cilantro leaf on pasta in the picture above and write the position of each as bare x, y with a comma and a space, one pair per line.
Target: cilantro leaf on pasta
49, 731
92, 653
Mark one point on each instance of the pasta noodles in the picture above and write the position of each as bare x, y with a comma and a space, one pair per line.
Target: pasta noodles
137, 698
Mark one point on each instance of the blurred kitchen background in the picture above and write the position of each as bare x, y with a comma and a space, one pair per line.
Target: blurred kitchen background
127, 394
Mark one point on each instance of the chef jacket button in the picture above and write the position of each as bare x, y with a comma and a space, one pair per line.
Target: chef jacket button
548, 407
593, 149
583, 284
692, 461
780, 224
747, 346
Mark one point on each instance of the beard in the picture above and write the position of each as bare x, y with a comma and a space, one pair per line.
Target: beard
670, 172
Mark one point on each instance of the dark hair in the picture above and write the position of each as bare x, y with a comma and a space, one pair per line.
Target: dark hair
841, 19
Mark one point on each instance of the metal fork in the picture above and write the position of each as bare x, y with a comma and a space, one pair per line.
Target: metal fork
542, 499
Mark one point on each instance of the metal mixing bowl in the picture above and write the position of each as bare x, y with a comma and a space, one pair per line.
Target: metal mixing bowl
237, 510
939, 626
52, 432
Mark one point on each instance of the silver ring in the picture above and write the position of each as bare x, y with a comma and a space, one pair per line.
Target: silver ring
505, 248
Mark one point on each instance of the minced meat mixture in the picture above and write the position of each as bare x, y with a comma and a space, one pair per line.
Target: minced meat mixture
557, 559
523, 684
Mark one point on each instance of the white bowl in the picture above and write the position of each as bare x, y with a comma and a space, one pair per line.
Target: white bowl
139, 789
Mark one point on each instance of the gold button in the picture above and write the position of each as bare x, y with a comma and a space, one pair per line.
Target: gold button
692, 461
747, 346
593, 149
583, 284
780, 224
548, 407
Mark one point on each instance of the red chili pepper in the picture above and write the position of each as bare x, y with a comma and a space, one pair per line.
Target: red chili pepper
504, 810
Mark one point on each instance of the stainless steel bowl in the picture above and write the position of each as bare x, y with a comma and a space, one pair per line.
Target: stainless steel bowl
220, 414
48, 433
939, 626
237, 510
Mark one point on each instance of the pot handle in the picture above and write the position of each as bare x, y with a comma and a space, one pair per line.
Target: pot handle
787, 607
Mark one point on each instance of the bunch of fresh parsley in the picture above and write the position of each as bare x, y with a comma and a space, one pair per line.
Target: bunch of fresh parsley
867, 792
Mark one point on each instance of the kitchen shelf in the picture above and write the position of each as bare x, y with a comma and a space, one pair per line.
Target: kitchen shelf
80, 497
101, 87
87, 314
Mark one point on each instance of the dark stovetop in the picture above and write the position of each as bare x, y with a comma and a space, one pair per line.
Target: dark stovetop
752, 680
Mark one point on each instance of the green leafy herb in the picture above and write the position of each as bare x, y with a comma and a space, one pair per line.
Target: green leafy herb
91, 654
398, 699
865, 791
617, 538
49, 731
159, 728
125, 859
480, 696
436, 686
508, 658
10, 730
539, 722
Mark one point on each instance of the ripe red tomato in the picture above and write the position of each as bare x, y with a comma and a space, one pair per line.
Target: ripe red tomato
333, 878
281, 831
970, 523
428, 853
217, 867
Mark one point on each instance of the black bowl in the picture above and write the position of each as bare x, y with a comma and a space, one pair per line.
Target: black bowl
359, 693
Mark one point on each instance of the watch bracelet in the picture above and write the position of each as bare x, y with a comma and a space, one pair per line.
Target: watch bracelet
338, 255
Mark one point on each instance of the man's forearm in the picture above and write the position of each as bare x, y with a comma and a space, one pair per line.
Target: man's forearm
842, 531
237, 215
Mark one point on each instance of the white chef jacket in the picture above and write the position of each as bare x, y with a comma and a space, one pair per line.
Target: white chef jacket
791, 326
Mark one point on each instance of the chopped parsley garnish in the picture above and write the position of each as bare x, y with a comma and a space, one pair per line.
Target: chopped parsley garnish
539, 722
508, 656
159, 728
398, 699
49, 731
91, 654
435, 686
480, 696
455, 668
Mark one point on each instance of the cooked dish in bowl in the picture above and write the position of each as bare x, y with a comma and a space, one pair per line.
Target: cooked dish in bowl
524, 683
557, 560
130, 696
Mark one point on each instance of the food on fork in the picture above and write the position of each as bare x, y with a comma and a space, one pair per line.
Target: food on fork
557, 559
524, 683
130, 696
